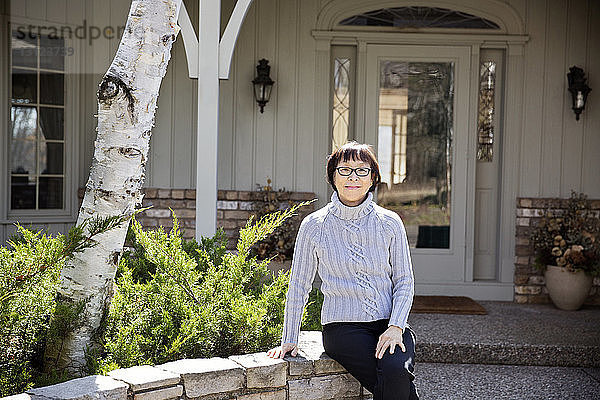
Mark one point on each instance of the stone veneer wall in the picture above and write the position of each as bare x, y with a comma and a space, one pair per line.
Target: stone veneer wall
234, 207
529, 282
311, 375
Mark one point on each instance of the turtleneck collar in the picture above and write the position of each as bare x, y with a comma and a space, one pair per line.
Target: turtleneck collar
343, 211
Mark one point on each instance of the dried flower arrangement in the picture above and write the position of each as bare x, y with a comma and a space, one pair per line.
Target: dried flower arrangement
569, 237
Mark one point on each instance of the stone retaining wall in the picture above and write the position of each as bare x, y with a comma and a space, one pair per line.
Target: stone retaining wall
234, 207
312, 375
529, 281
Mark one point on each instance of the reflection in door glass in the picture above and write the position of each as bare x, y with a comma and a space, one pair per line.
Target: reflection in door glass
415, 147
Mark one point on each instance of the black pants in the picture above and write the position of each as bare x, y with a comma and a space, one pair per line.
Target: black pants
353, 345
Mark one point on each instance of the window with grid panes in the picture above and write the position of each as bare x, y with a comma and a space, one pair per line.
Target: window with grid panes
37, 133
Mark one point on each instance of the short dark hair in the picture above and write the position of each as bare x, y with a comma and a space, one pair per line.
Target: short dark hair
353, 151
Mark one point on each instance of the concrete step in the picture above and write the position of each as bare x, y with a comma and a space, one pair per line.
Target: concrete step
509, 354
511, 334
507, 382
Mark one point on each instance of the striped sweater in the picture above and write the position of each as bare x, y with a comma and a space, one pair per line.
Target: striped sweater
362, 256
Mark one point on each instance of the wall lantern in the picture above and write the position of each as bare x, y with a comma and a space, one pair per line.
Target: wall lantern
578, 88
262, 84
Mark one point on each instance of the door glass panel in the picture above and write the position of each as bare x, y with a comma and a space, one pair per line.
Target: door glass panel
415, 147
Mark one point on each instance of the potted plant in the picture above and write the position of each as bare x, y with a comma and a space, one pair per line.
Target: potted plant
567, 248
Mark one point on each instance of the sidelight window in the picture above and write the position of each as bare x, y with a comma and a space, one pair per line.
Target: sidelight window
342, 95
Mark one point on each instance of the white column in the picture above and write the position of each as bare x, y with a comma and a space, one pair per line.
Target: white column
208, 117
322, 114
511, 153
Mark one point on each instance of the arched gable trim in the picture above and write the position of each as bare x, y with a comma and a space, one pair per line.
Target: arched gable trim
509, 21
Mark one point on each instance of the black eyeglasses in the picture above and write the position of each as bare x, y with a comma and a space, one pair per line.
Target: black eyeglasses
347, 171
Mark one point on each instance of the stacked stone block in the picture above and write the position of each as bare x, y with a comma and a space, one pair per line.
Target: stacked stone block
234, 207
312, 375
529, 281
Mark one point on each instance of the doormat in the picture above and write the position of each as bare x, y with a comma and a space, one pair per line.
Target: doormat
446, 305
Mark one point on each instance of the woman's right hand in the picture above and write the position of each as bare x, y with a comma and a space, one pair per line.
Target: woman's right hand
280, 351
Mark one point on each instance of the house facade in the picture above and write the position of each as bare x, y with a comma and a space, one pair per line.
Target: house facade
465, 102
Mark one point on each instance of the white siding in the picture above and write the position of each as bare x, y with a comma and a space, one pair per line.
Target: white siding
244, 133
590, 146
277, 144
560, 154
572, 138
172, 146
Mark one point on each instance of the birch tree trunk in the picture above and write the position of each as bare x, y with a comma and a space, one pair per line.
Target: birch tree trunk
127, 98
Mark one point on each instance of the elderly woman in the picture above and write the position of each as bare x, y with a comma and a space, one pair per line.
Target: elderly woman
361, 253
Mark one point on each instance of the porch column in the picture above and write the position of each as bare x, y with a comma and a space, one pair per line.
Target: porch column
208, 117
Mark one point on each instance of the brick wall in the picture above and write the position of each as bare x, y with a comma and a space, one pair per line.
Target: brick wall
183, 203
529, 281
234, 207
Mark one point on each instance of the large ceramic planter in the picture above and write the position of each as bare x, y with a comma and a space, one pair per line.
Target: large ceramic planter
568, 290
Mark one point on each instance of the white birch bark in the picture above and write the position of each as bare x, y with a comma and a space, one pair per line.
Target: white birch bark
127, 99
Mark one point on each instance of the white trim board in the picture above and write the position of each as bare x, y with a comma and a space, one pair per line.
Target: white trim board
347, 37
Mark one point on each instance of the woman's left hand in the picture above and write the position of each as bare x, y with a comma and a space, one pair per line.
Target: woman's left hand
390, 338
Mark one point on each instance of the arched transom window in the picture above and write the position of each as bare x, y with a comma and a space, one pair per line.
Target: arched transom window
419, 17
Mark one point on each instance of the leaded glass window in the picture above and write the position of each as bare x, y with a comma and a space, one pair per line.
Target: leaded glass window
37, 140
342, 91
341, 101
420, 17
485, 120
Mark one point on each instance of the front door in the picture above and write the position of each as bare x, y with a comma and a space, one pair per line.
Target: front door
417, 113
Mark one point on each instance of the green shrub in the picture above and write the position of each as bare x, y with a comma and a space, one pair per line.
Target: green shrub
29, 276
189, 300
134, 257
311, 319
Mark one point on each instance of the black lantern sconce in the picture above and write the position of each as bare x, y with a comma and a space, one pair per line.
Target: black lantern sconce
262, 84
578, 88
